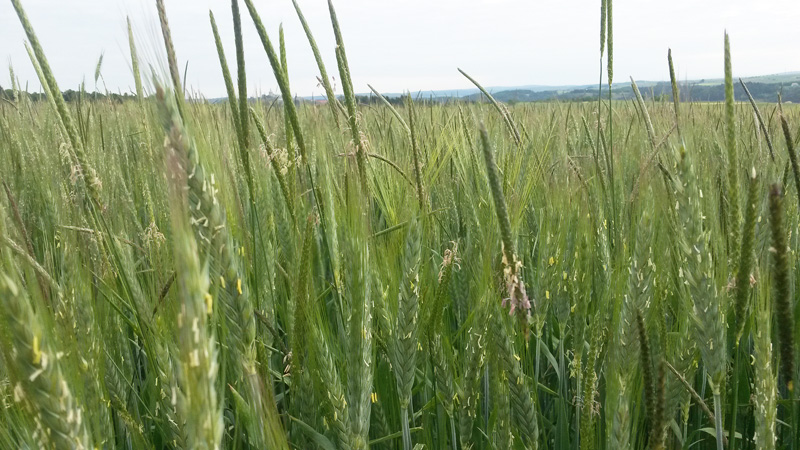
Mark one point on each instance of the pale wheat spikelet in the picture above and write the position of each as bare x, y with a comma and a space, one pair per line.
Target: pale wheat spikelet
765, 397
406, 323
697, 271
33, 365
230, 292
166, 409
603, 10
443, 373
39, 382
14, 88
473, 359
337, 413
303, 403
590, 407
197, 404
98, 68
617, 401
137, 78
620, 365
212, 235
358, 310
680, 352
407, 310
500, 400
302, 304
522, 406
442, 356
379, 424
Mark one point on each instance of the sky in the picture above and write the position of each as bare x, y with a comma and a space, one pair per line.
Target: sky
414, 45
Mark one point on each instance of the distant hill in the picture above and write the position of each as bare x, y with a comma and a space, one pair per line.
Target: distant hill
764, 88
460, 93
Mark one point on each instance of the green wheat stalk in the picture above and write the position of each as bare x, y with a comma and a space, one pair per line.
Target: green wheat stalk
349, 99
765, 396
211, 232
523, 411
273, 160
782, 285
787, 134
405, 326
643, 107
473, 358
415, 153
280, 77
694, 247
503, 112
676, 93
171, 58
197, 404
515, 288
338, 415
735, 218
46, 88
610, 44
226, 76
746, 255
14, 87
135, 62
324, 79
90, 178
760, 119
34, 367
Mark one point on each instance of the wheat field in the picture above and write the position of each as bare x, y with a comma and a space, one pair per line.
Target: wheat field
177, 273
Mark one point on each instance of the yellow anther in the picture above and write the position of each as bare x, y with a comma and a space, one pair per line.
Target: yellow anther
37, 354
209, 303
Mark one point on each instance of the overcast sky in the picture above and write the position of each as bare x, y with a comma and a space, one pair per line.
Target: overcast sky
398, 45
